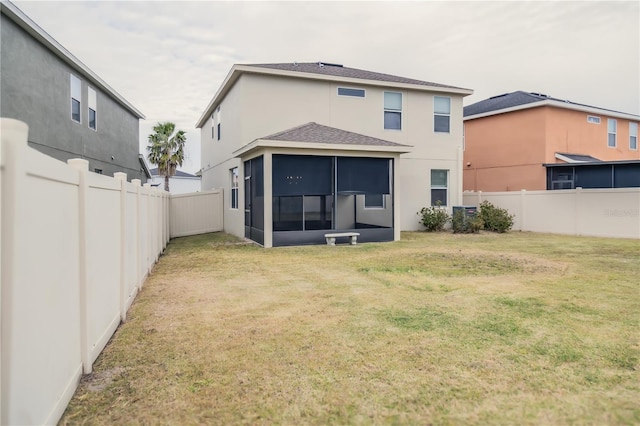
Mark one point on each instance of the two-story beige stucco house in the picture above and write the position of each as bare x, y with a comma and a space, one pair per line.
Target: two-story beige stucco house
303, 149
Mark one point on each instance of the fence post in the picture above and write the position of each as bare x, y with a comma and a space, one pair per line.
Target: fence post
147, 187
523, 196
13, 136
82, 166
137, 183
122, 177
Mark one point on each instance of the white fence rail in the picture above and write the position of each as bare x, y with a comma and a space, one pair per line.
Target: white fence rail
196, 213
610, 212
76, 248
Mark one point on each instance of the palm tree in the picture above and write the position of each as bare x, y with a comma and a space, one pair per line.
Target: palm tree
166, 149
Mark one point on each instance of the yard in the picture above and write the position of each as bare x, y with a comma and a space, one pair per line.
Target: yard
517, 328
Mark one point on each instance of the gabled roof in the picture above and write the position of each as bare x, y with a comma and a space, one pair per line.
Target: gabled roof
12, 12
179, 173
327, 72
338, 70
575, 158
318, 136
520, 100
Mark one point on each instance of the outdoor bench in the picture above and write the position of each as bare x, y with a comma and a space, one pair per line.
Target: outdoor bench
331, 238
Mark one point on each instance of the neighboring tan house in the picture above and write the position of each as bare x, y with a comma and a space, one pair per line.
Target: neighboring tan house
71, 112
302, 149
180, 183
509, 138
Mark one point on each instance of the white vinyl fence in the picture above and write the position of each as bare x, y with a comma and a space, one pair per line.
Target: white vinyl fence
610, 212
76, 248
196, 213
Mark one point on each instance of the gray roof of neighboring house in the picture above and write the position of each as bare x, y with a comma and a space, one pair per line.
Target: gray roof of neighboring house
514, 99
23, 21
338, 70
154, 172
580, 158
317, 133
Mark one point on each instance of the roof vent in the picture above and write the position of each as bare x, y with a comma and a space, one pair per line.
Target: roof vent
320, 64
327, 64
295, 64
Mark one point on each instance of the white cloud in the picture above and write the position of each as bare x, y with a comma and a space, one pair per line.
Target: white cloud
169, 58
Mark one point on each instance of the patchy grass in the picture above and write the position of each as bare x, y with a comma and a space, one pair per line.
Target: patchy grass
436, 329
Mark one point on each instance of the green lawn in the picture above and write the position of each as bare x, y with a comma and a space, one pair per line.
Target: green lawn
442, 328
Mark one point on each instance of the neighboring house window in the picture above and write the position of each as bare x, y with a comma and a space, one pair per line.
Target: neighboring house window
612, 126
234, 187
76, 89
442, 114
92, 100
593, 119
393, 110
374, 201
346, 91
213, 126
633, 136
439, 187
218, 120
98, 171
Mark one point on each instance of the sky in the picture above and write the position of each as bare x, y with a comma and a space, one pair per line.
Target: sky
168, 58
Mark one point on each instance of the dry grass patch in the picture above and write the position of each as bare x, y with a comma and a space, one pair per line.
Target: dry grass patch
435, 329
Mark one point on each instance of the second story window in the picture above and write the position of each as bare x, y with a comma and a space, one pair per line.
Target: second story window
593, 119
612, 129
217, 121
213, 126
441, 114
76, 90
633, 136
93, 115
393, 110
347, 91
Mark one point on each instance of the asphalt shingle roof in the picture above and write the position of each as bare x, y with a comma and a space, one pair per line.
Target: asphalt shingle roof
317, 133
509, 100
342, 71
580, 157
154, 172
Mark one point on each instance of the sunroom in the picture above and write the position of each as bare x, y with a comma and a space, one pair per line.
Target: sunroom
305, 182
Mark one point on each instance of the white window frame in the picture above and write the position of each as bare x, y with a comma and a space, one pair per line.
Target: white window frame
75, 90
593, 119
377, 206
92, 101
234, 176
399, 111
441, 114
633, 136
614, 133
445, 187
364, 92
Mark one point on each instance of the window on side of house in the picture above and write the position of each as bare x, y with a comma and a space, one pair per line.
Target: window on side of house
213, 126
612, 130
439, 187
593, 119
76, 96
347, 91
219, 120
98, 171
374, 201
234, 187
633, 136
393, 110
441, 114
93, 115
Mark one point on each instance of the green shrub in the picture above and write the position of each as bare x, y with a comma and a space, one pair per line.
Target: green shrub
434, 218
469, 225
495, 219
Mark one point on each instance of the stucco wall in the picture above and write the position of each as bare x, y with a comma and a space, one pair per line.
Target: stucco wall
505, 152
35, 88
569, 132
260, 105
